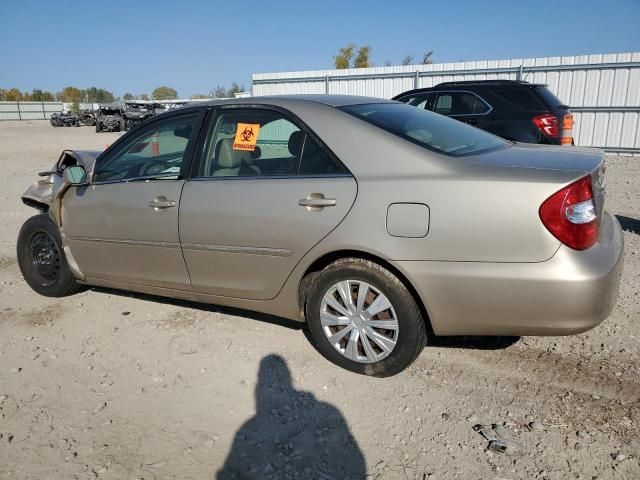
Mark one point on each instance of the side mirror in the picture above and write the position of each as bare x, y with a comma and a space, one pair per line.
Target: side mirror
74, 175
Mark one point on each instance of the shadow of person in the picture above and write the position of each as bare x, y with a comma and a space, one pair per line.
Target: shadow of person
292, 435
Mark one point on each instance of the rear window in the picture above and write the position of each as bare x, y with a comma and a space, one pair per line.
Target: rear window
521, 97
427, 129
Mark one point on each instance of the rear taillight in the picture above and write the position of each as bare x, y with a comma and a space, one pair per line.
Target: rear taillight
570, 215
547, 124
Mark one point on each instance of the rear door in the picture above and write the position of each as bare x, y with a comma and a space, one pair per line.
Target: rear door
124, 225
264, 193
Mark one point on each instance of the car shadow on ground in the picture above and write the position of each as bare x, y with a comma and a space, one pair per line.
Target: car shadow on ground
292, 434
205, 307
468, 342
629, 224
473, 342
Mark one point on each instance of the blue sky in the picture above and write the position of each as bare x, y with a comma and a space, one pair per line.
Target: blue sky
137, 45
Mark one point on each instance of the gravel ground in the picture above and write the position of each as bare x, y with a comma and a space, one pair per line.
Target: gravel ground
110, 385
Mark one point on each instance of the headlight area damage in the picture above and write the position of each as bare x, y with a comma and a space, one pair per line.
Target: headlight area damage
42, 194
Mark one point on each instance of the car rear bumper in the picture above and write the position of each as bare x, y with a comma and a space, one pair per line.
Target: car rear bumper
570, 293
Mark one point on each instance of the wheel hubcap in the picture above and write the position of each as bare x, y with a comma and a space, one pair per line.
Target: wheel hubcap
359, 321
45, 258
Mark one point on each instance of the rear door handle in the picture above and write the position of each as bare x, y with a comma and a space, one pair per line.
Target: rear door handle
317, 201
161, 202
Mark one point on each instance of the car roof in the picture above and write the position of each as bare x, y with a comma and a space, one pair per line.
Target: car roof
475, 83
285, 100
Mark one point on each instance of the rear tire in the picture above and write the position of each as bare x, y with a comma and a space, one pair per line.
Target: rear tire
41, 258
376, 350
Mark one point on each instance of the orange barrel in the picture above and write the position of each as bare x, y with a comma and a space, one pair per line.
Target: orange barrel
155, 147
567, 130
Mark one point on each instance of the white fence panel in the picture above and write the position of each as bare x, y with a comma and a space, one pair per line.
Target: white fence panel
603, 90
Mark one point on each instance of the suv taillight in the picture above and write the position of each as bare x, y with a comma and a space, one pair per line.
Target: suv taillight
570, 215
547, 124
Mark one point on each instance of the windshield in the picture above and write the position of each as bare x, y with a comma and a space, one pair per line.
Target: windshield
427, 129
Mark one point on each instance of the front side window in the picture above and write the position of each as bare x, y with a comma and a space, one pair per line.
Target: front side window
261, 143
424, 128
155, 152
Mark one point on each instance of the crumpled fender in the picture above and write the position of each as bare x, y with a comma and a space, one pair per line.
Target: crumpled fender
46, 194
42, 194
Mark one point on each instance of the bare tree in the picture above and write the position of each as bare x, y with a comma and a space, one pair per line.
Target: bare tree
407, 60
426, 57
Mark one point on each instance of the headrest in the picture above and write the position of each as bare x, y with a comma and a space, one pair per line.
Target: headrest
295, 143
227, 157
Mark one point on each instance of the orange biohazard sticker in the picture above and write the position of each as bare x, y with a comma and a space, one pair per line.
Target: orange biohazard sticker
246, 136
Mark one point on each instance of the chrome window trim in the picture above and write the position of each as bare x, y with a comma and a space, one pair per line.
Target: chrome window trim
269, 177
463, 114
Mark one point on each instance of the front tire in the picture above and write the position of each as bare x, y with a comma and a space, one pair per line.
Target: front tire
41, 258
363, 318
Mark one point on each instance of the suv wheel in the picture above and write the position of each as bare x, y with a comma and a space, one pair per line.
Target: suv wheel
362, 318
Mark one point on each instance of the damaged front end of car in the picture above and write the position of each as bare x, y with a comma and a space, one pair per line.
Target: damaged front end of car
74, 167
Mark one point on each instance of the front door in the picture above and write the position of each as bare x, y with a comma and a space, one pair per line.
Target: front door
264, 194
124, 225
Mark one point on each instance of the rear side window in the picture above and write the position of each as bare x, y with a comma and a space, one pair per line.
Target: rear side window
460, 103
424, 128
468, 104
548, 98
262, 143
521, 97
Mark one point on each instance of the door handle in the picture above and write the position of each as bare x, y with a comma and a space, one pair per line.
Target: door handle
161, 202
317, 201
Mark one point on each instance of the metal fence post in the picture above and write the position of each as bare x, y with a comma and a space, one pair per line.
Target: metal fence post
519, 73
326, 84
44, 115
19, 113
416, 80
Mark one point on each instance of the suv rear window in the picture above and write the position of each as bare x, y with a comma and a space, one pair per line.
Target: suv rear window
521, 97
427, 129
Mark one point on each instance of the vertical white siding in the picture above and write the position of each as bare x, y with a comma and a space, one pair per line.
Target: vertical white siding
602, 89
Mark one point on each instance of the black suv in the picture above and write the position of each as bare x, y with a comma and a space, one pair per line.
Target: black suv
514, 110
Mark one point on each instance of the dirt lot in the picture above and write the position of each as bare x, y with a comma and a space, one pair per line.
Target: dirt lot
116, 386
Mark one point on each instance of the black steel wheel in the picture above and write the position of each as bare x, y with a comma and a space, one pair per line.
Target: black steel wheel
41, 258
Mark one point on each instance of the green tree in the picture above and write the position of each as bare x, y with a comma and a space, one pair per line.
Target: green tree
199, 96
362, 59
343, 59
75, 107
3, 94
142, 96
164, 93
70, 94
13, 95
97, 95
128, 96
